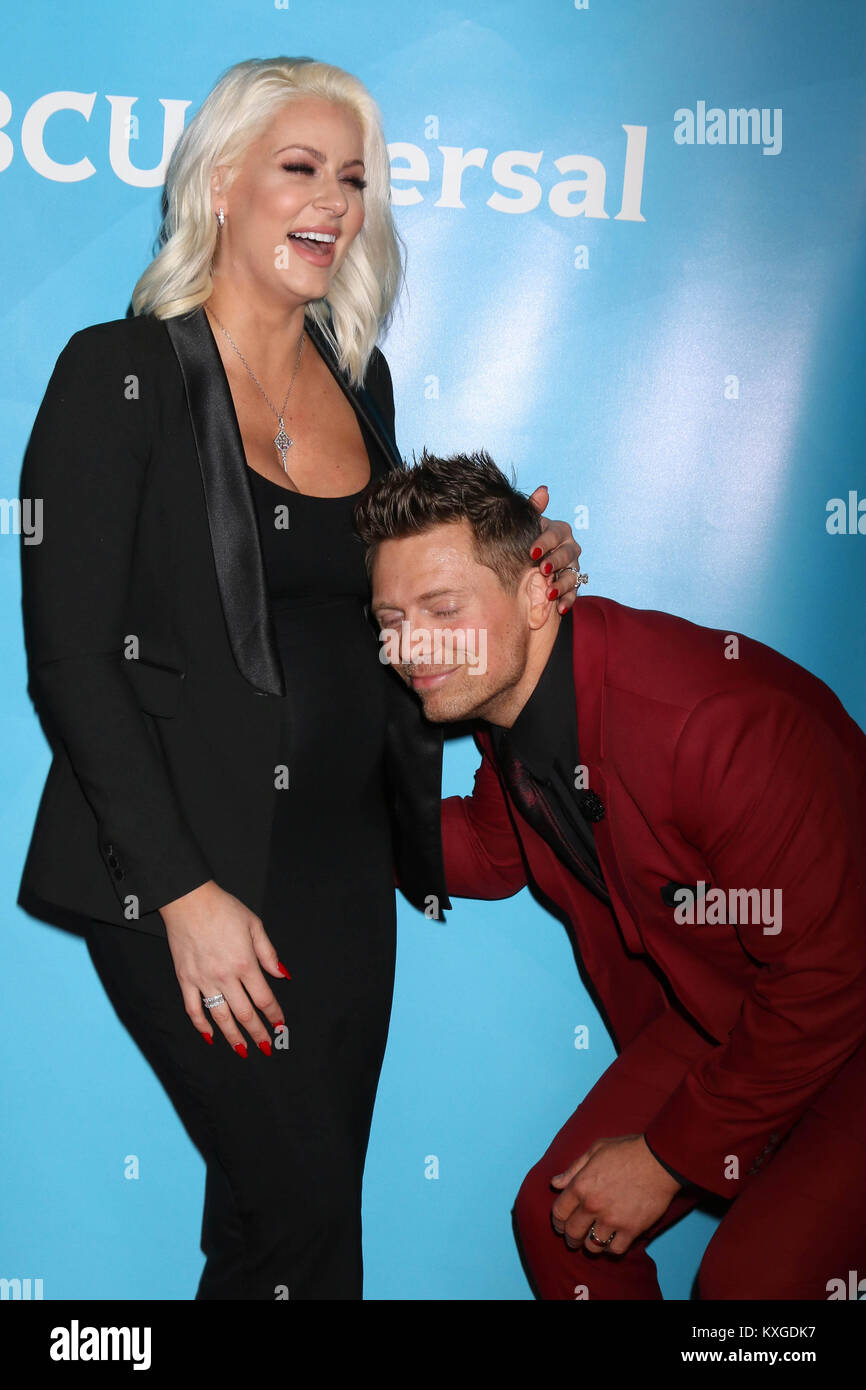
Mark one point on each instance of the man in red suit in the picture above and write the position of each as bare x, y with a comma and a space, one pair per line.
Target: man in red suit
694, 805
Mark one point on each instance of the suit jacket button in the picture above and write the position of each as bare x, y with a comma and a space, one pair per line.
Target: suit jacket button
592, 806
118, 873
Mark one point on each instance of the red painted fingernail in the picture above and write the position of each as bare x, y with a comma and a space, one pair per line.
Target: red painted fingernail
282, 969
554, 593
547, 567
536, 552
265, 1047
279, 1025
241, 1049
208, 1037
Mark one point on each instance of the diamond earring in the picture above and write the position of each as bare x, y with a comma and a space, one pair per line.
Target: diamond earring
221, 217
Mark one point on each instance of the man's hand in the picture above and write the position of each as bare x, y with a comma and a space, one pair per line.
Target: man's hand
618, 1185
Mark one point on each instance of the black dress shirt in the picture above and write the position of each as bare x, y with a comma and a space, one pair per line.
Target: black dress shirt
544, 739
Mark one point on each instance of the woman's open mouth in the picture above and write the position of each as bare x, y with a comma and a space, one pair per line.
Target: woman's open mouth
315, 247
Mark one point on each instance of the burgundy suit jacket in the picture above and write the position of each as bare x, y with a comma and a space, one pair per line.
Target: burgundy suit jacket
741, 772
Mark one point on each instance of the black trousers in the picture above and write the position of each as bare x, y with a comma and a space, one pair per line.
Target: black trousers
284, 1137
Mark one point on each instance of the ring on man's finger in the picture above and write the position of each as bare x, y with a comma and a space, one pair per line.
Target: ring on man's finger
596, 1239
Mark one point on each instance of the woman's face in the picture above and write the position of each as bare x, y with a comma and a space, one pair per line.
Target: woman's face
304, 174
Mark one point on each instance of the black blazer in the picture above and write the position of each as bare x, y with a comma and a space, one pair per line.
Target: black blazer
151, 653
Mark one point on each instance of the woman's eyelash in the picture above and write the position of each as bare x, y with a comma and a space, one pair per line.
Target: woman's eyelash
310, 169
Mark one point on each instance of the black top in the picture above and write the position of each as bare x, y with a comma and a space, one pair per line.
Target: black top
311, 550
319, 596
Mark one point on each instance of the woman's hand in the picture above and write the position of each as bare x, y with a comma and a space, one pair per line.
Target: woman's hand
557, 548
218, 947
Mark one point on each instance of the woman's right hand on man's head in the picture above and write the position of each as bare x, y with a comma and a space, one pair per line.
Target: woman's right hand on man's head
219, 946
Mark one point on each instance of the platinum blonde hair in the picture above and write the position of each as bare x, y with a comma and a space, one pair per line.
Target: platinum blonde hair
238, 109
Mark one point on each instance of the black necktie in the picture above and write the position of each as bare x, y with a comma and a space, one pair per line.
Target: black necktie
530, 799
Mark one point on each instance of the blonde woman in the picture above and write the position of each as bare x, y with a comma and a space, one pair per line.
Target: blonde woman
237, 779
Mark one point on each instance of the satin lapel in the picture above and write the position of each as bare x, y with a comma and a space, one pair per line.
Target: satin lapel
231, 511
590, 671
360, 399
229, 500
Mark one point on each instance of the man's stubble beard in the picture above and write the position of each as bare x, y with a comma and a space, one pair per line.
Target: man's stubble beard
461, 706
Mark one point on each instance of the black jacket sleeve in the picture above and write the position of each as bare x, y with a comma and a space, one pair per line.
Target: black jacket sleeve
85, 467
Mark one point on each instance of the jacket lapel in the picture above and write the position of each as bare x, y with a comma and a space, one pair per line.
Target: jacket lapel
228, 494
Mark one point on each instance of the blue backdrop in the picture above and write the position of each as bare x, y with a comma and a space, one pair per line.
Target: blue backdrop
618, 285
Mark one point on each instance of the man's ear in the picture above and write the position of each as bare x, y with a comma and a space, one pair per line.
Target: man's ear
540, 607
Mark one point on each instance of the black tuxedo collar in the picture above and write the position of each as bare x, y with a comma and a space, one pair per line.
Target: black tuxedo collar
228, 494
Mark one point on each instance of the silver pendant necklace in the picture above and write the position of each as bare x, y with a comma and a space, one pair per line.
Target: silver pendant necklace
281, 439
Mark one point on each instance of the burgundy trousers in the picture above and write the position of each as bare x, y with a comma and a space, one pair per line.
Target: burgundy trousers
794, 1225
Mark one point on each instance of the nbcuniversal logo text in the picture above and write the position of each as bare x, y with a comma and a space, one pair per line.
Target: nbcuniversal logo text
579, 186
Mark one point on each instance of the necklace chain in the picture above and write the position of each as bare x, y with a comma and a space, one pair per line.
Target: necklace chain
282, 441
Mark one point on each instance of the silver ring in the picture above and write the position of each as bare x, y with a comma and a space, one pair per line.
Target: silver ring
579, 578
594, 1237
213, 1001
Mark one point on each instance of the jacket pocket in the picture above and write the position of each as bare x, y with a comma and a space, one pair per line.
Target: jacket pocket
157, 688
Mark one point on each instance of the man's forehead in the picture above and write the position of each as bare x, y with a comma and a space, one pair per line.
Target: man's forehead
425, 564
447, 545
